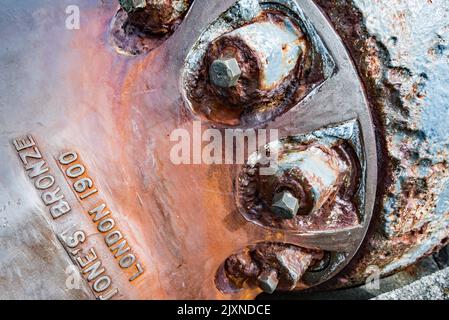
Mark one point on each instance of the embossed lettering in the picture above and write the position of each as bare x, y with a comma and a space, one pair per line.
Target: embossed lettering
101, 284
99, 212
44, 182
60, 209
94, 271
87, 259
119, 249
51, 197
34, 154
24, 143
106, 225
75, 171
68, 158
36, 169
82, 185
127, 261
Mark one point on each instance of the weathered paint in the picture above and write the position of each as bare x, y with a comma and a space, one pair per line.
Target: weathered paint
401, 49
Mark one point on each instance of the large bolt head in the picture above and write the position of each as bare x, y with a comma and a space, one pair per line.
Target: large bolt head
268, 281
285, 205
132, 5
225, 72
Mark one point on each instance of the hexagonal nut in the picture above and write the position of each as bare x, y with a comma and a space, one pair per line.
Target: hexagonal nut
132, 5
285, 205
225, 73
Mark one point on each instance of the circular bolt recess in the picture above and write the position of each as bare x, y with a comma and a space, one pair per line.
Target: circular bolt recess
225, 72
285, 205
132, 5
268, 281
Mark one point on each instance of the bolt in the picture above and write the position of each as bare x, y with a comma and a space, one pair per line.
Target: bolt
273, 50
293, 264
132, 5
285, 205
268, 281
225, 72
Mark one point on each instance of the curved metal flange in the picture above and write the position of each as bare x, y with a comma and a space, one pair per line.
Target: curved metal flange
339, 99
181, 221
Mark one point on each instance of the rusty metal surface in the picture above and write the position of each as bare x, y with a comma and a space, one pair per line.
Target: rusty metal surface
269, 266
400, 48
323, 171
75, 91
155, 16
305, 64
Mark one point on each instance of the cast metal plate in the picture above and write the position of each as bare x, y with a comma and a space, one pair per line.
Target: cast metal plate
72, 92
